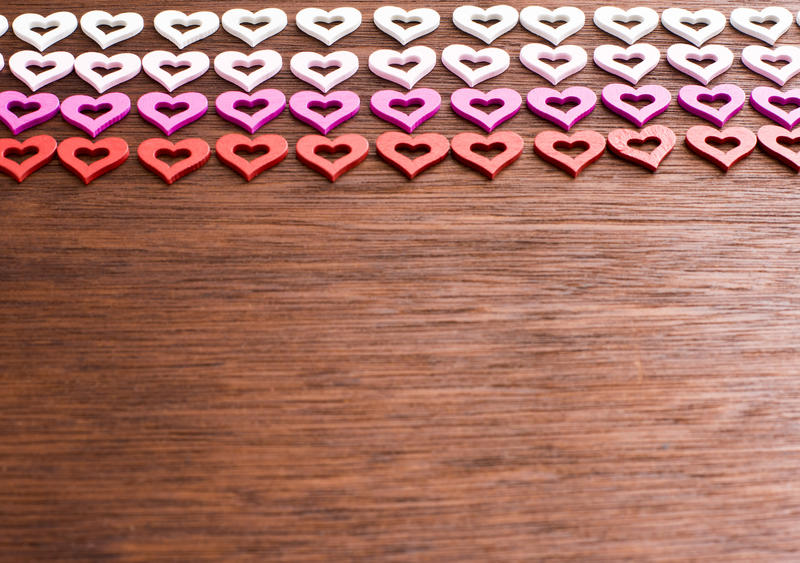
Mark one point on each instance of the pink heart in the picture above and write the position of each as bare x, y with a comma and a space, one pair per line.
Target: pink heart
195, 106
44, 105
116, 104
540, 98
273, 100
463, 102
382, 101
302, 106
764, 98
691, 99
617, 96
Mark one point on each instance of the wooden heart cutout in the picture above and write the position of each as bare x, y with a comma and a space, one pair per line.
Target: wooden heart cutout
42, 147
463, 146
547, 143
307, 148
771, 139
276, 146
619, 141
151, 149
388, 143
69, 151
697, 139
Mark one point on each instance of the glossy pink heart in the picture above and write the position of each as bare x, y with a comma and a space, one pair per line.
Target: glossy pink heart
227, 105
466, 101
616, 97
303, 104
44, 107
116, 106
193, 104
383, 103
539, 100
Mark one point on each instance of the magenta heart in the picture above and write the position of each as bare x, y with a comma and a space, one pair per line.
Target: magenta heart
302, 106
694, 99
44, 107
193, 104
116, 106
539, 100
273, 101
764, 98
382, 103
616, 98
464, 100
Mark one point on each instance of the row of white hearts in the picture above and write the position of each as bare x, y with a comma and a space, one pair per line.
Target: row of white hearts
470, 19
534, 56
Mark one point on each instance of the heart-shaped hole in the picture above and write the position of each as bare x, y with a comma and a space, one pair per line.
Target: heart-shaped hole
790, 104
93, 112
565, 104
702, 60
761, 21
487, 105
251, 151
21, 108
404, 67
648, 145
412, 151
19, 155
249, 107
38, 68
553, 21
638, 101
488, 150
716, 101
486, 21
170, 157
174, 68
330, 23
253, 25
91, 155
109, 27
697, 26
324, 69
630, 62
332, 153
408, 22
791, 143
103, 69
249, 68
724, 144
325, 108
183, 28
44, 27
170, 110
407, 106
475, 65
571, 149
778, 62
629, 23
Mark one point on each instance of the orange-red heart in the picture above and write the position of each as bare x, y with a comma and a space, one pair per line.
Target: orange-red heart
547, 143
464, 145
275, 146
42, 147
309, 147
387, 144
697, 138
619, 141
196, 151
115, 150
771, 137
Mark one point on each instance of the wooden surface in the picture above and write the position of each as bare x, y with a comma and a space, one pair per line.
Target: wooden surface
449, 369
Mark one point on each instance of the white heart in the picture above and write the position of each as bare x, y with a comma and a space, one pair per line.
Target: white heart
750, 21
308, 20
498, 60
681, 56
575, 58
469, 18
153, 61
225, 65
3, 25
758, 57
19, 62
128, 24
611, 18
426, 19
64, 22
274, 20
381, 61
675, 20
606, 57
302, 62
128, 65
206, 22
536, 19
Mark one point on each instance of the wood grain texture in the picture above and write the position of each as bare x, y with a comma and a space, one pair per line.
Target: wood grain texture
449, 369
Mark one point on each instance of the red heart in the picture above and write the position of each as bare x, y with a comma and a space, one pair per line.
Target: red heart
115, 148
149, 151
547, 143
45, 148
464, 143
308, 146
276, 146
388, 143
697, 138
770, 138
619, 142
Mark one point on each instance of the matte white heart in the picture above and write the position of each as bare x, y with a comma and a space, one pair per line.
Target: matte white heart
381, 63
758, 58
60, 24
60, 63
497, 59
425, 21
127, 25
683, 57
196, 64
345, 61
125, 65
751, 22
270, 62
535, 56
679, 22
206, 23
270, 21
611, 19
470, 19
537, 20
608, 58
309, 19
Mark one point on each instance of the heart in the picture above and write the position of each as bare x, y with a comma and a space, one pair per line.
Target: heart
149, 151
127, 66
275, 146
547, 143
60, 63
616, 98
307, 149
750, 22
619, 141
381, 61
539, 100
469, 18
611, 18
764, 98
308, 21
206, 24
226, 62
302, 62
70, 149
692, 98
60, 24
697, 139
531, 56
272, 20
43, 148
387, 144
149, 104
498, 60
536, 19
274, 101
3, 25
44, 107
681, 55
426, 21
302, 106
153, 61
116, 105
771, 139
463, 102
127, 25
428, 99
607, 57
464, 145
757, 59
679, 22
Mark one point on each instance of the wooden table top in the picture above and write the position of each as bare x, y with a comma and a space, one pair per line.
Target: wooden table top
449, 369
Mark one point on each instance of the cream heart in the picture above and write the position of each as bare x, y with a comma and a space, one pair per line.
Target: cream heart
469, 18
225, 65
206, 22
274, 21
498, 60
381, 61
426, 20
757, 59
607, 57
64, 22
675, 20
3, 25
611, 18
128, 24
302, 63
308, 20
536, 19
153, 61
532, 55
61, 61
127, 66
681, 56
750, 21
